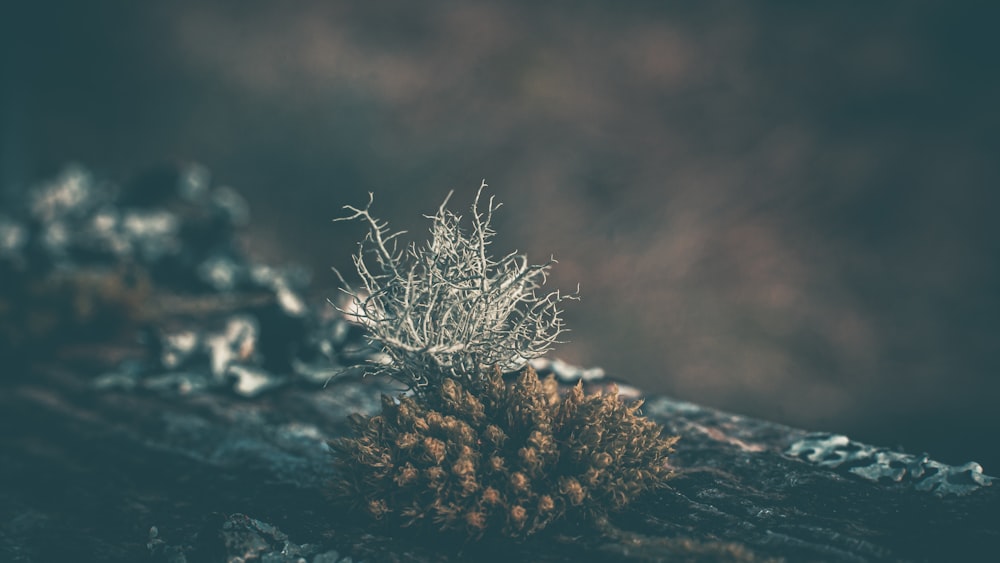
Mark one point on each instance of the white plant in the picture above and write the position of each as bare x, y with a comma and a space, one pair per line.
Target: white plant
447, 308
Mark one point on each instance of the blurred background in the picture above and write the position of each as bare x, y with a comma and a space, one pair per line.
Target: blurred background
783, 211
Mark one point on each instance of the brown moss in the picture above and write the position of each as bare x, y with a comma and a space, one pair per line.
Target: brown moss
499, 459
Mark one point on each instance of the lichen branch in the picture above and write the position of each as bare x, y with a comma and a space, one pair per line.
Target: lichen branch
447, 308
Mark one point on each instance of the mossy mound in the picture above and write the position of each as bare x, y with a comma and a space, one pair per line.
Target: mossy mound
489, 457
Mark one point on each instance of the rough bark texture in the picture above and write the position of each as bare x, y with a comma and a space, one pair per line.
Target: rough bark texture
87, 473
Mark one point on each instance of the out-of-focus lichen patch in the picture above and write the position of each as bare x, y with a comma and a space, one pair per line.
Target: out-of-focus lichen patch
80, 249
221, 273
13, 237
72, 193
178, 348
252, 381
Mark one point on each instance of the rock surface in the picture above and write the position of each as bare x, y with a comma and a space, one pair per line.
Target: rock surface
207, 439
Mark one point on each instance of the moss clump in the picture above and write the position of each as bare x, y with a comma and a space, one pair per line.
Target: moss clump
485, 457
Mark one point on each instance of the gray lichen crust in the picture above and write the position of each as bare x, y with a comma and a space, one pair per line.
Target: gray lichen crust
880, 464
447, 308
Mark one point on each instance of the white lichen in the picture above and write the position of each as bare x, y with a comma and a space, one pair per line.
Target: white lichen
446, 308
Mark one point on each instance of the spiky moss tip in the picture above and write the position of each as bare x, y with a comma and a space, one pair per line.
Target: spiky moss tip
491, 458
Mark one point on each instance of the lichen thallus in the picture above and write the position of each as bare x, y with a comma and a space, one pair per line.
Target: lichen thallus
465, 451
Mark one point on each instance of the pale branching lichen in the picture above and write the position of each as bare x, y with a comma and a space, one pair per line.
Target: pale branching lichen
447, 308
468, 452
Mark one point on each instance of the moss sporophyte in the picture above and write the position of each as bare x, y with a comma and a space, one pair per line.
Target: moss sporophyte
465, 451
